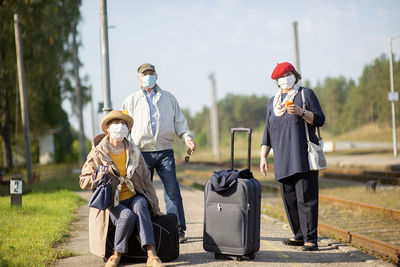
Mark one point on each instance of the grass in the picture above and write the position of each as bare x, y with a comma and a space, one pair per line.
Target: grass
372, 132
29, 234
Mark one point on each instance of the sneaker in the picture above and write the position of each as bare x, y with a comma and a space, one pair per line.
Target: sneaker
182, 238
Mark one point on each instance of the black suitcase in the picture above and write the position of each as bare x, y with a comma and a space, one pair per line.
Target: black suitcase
165, 229
232, 218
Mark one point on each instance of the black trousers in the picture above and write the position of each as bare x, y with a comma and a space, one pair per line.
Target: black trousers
300, 197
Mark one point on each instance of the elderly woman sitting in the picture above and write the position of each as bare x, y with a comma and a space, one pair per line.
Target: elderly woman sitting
133, 196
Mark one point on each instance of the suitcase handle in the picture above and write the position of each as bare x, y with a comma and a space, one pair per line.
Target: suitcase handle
240, 129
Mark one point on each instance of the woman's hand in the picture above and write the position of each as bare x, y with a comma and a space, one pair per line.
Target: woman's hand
295, 110
104, 169
263, 159
263, 166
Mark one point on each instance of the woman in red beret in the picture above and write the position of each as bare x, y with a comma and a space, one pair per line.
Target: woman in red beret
285, 133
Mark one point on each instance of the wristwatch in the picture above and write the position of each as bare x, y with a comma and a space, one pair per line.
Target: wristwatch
304, 113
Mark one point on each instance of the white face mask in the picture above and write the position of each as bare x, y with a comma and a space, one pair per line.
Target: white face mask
149, 81
287, 82
118, 131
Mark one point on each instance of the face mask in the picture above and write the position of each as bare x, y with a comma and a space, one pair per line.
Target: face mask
149, 81
118, 131
287, 82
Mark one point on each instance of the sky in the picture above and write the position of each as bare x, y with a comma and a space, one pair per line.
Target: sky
240, 41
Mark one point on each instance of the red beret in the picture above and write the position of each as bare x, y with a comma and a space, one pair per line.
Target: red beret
281, 69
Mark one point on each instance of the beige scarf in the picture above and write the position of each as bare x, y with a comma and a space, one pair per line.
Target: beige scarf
279, 104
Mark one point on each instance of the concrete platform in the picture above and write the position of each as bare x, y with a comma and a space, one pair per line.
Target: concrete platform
272, 252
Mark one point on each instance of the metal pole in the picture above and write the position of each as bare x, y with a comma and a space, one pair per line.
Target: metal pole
105, 59
214, 119
296, 47
92, 112
79, 104
392, 90
23, 96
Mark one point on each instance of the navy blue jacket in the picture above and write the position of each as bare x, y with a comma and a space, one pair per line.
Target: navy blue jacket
287, 137
222, 180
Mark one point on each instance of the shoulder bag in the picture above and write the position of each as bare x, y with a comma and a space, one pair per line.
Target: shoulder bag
316, 156
101, 197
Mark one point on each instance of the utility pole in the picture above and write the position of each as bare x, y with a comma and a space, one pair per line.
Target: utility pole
214, 119
105, 59
78, 93
393, 96
296, 47
23, 96
92, 112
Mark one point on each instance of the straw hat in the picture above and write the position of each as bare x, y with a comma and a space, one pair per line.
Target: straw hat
116, 114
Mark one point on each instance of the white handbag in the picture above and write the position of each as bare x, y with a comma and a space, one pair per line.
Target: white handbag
316, 156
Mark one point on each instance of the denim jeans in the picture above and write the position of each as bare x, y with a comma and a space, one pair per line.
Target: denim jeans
164, 163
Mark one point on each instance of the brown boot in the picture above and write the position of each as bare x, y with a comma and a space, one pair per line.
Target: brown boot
154, 261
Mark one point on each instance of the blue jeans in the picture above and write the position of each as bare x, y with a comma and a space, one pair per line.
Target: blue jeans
164, 163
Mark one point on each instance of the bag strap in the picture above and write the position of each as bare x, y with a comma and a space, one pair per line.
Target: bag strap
304, 107
305, 123
103, 178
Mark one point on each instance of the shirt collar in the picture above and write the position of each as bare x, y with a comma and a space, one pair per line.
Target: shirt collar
154, 90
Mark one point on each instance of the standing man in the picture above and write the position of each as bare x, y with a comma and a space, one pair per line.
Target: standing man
157, 118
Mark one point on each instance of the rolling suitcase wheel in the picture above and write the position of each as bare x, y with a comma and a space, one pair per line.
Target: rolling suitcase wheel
218, 256
238, 258
252, 256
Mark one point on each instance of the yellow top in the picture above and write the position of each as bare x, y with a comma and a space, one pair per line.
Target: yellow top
120, 161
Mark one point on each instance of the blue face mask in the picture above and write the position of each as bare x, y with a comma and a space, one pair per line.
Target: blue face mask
149, 81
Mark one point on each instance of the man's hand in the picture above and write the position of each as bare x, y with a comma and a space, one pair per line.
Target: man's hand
192, 147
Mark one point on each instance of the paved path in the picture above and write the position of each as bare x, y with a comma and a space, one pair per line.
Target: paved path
272, 252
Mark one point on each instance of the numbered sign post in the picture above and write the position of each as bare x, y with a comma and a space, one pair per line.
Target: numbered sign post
16, 190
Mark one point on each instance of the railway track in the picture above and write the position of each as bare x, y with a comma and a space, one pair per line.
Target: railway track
374, 229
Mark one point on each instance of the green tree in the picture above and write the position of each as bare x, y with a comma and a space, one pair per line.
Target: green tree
332, 94
368, 102
233, 111
46, 29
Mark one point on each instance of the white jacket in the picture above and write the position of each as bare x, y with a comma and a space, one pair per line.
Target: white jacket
170, 121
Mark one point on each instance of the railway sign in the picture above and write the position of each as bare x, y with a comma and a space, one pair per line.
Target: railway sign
393, 96
16, 190
15, 187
